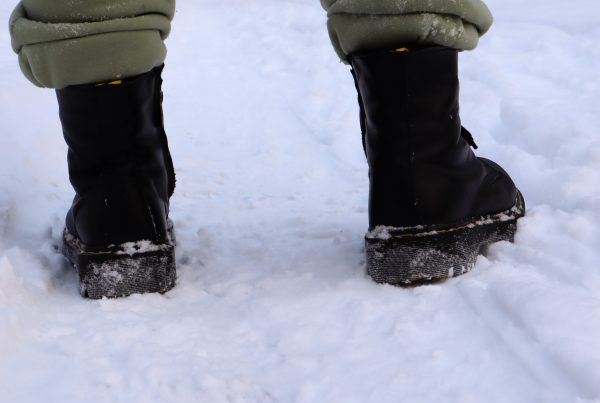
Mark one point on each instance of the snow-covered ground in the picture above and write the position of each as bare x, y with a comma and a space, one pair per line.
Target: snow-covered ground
272, 302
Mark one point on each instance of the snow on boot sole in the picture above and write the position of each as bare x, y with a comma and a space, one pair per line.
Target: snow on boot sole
423, 254
119, 271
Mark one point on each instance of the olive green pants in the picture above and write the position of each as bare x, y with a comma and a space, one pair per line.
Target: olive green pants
69, 42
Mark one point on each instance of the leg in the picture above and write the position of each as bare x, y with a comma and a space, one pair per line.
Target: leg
433, 205
117, 231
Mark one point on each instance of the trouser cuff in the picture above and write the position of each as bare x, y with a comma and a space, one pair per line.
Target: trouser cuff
360, 26
56, 55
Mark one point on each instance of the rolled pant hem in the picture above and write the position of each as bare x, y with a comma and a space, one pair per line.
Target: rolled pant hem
92, 59
56, 55
353, 33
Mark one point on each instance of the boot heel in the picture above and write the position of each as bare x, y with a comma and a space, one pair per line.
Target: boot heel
416, 255
132, 268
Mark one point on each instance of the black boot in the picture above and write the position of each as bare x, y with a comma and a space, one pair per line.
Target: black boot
433, 204
117, 233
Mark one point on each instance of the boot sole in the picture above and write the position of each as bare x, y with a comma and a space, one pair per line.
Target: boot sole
119, 271
426, 254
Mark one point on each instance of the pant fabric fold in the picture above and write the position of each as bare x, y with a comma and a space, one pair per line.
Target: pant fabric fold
361, 25
62, 43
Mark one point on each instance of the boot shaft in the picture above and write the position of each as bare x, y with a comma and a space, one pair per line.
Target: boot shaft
408, 99
114, 127
422, 168
119, 162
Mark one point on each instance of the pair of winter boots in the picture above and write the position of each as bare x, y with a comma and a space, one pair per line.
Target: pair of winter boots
434, 206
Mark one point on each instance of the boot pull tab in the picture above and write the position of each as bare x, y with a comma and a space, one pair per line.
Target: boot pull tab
465, 134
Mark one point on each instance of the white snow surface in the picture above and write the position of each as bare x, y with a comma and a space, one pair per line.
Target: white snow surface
272, 302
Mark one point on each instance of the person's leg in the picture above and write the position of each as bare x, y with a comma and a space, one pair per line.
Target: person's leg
433, 204
104, 58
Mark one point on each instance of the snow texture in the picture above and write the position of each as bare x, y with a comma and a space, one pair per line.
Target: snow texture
272, 302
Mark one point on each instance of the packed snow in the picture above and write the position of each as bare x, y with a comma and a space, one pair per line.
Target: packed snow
272, 302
